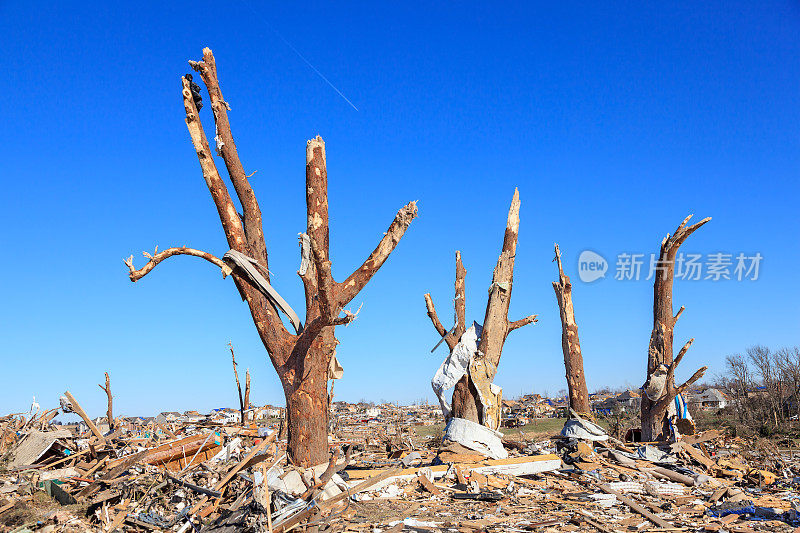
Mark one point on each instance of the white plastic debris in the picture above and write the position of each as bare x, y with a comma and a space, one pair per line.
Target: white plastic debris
579, 428
454, 367
233, 447
476, 437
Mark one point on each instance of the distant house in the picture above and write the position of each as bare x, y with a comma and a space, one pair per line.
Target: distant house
373, 412
707, 399
508, 406
262, 413
192, 417
167, 417
225, 415
630, 399
625, 401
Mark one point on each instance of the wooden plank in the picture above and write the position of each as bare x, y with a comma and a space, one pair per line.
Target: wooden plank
128, 462
235, 470
702, 437
490, 466
699, 456
76, 407
307, 512
635, 506
427, 485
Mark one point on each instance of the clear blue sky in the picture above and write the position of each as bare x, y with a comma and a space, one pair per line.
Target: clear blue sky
615, 123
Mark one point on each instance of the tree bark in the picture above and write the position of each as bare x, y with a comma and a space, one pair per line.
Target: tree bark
570, 345
302, 359
110, 411
660, 362
496, 327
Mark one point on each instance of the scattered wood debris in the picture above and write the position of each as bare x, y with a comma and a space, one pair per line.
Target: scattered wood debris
208, 476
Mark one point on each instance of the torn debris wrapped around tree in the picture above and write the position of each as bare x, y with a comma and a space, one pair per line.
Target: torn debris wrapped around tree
474, 415
383, 474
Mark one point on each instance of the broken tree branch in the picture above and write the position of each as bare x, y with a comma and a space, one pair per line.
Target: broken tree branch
688, 383
677, 361
460, 300
495, 323
226, 147
452, 336
516, 324
437, 324
349, 288
270, 327
156, 257
231, 223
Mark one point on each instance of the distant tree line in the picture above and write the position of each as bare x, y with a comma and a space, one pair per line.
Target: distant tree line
764, 388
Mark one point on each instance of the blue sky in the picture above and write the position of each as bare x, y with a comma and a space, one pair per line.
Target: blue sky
615, 122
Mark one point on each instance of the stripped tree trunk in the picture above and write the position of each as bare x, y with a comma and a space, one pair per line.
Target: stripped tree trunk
301, 359
238, 386
247, 389
496, 327
570, 345
660, 389
110, 411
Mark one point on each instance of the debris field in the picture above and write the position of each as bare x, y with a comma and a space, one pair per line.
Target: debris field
384, 477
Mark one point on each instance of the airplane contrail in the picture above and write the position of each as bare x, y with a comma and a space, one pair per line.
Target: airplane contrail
301, 56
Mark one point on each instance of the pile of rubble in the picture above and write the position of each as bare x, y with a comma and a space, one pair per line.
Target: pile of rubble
210, 477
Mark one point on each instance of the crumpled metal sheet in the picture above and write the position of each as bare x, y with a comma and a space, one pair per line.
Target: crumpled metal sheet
249, 267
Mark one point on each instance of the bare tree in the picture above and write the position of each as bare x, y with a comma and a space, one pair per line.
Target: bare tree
570, 345
788, 360
238, 385
109, 412
660, 389
247, 389
740, 383
765, 363
302, 358
496, 327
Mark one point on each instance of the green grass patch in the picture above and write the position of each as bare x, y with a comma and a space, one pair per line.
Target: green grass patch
543, 426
